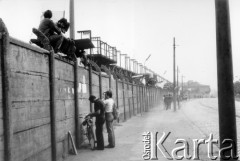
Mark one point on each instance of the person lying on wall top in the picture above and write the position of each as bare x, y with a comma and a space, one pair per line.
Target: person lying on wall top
54, 33
82, 55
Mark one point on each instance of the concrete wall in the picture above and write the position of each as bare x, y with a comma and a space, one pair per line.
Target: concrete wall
29, 91
29, 88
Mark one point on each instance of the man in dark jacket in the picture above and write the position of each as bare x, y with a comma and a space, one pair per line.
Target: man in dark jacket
99, 113
54, 33
49, 29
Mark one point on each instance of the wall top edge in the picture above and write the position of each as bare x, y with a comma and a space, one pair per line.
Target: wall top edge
27, 45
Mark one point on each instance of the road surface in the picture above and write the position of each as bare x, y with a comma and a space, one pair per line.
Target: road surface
195, 120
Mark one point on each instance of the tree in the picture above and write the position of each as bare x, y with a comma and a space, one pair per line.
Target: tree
168, 86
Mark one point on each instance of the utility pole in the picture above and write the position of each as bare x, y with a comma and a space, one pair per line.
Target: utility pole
174, 74
72, 25
226, 102
177, 89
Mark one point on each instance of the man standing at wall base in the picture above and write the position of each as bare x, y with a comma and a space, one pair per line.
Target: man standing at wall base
100, 119
109, 104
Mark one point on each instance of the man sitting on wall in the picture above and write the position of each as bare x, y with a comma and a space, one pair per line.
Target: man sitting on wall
82, 55
53, 32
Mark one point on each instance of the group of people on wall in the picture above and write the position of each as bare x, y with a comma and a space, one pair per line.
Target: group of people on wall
52, 33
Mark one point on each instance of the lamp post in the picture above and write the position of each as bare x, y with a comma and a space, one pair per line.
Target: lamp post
147, 59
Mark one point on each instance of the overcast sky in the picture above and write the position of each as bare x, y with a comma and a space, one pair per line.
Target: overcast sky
141, 27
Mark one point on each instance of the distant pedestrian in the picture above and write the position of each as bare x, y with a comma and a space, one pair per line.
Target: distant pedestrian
165, 102
109, 105
100, 119
170, 100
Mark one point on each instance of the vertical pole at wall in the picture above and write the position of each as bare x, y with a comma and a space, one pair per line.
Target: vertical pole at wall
100, 84
156, 96
140, 98
77, 125
129, 104
90, 77
90, 85
150, 96
145, 96
133, 99
137, 95
53, 105
6, 95
148, 105
117, 96
110, 82
226, 102
124, 106
144, 99
155, 93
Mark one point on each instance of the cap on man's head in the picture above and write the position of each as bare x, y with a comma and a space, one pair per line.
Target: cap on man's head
92, 98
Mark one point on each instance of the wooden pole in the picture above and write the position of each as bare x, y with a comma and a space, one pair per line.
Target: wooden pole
226, 102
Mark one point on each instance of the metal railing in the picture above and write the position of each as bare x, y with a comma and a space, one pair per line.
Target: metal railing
104, 49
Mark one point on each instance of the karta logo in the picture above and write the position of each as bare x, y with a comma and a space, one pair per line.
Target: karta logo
153, 145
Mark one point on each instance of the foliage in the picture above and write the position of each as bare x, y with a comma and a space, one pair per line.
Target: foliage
168, 86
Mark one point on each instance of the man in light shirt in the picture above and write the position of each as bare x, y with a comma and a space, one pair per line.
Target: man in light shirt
109, 104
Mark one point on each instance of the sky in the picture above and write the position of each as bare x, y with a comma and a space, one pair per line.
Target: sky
142, 27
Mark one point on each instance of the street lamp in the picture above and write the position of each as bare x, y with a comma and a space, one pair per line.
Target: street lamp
147, 59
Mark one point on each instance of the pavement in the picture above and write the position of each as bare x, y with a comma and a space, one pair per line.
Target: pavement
191, 121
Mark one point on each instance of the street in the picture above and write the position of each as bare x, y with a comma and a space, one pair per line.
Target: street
196, 119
